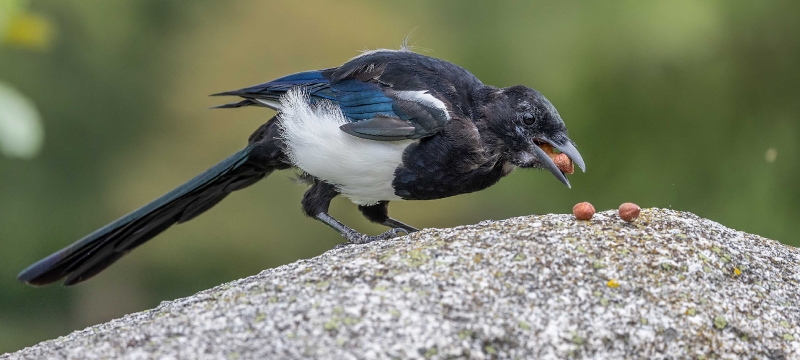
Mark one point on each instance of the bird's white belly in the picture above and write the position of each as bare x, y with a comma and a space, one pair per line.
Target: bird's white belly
361, 169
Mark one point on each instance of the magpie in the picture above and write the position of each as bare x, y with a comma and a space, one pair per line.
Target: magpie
387, 125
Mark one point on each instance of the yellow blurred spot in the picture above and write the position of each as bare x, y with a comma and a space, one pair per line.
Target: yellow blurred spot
771, 154
30, 31
613, 283
737, 272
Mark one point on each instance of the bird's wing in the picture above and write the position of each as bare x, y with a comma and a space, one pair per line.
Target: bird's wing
315, 83
388, 96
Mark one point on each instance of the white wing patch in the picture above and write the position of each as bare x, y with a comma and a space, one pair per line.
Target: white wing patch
361, 169
425, 98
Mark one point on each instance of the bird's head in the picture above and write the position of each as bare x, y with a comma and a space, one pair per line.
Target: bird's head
527, 126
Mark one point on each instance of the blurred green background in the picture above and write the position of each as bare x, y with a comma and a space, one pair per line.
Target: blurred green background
690, 105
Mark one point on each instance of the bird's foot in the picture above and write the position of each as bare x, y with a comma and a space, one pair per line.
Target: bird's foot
355, 237
359, 238
390, 234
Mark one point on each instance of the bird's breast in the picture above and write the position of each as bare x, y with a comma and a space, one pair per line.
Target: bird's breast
361, 169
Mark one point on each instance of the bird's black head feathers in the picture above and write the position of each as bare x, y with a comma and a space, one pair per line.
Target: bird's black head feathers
521, 120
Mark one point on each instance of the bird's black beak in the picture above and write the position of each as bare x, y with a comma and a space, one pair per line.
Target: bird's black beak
565, 147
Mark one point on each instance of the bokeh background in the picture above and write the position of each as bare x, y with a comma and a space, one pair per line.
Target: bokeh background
690, 105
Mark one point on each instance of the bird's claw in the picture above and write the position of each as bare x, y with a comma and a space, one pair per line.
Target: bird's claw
357, 238
397, 232
390, 234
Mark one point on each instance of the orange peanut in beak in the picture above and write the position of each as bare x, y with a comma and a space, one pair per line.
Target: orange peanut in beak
562, 161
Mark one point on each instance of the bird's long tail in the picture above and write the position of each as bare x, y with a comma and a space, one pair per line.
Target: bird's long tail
90, 255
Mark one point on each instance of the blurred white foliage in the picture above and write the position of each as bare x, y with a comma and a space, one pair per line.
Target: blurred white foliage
21, 130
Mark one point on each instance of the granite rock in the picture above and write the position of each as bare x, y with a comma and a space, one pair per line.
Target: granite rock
669, 285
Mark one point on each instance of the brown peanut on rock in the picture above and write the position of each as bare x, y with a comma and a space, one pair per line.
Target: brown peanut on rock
629, 211
583, 211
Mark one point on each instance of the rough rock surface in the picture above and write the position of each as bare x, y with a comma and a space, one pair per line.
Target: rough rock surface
670, 285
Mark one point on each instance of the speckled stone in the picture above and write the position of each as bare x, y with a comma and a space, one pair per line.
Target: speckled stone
669, 285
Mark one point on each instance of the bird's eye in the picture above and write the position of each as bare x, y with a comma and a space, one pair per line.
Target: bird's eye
528, 118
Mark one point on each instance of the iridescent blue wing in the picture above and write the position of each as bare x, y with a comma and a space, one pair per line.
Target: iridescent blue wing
268, 94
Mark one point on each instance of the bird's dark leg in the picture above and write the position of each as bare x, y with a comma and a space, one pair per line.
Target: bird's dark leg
379, 213
316, 202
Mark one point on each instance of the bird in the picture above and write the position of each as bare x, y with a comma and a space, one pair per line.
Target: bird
387, 125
